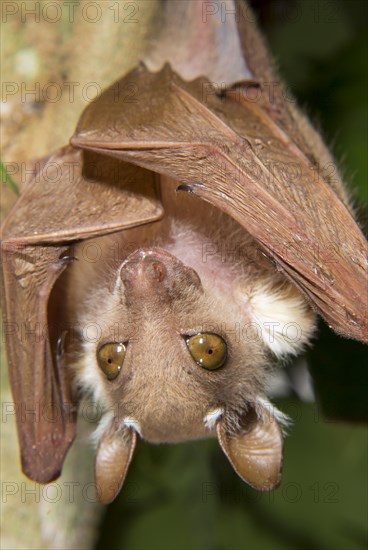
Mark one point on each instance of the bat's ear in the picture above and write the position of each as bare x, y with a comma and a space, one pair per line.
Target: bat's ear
114, 455
255, 447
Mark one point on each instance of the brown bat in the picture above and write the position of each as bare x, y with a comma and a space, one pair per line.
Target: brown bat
167, 258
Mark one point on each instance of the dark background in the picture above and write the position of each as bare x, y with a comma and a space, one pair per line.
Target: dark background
187, 496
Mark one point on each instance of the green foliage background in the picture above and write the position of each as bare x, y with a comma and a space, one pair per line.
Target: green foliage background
186, 496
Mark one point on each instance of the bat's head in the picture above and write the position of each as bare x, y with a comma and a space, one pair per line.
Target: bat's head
175, 360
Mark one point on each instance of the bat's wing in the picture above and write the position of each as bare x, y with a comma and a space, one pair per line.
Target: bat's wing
228, 150
73, 196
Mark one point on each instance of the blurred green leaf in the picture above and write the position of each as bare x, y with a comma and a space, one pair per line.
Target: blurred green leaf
339, 370
7, 180
163, 506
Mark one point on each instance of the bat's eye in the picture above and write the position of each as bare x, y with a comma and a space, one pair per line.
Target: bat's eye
208, 350
110, 358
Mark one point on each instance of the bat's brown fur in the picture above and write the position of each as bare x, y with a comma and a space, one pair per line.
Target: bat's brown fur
160, 385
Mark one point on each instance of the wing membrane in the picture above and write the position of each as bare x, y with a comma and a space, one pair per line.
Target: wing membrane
73, 196
231, 153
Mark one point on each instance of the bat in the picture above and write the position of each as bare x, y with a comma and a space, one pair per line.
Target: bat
165, 259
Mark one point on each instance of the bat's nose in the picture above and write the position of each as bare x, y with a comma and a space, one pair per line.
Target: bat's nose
145, 266
153, 273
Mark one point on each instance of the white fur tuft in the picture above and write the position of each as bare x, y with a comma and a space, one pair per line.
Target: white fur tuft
211, 418
283, 319
131, 422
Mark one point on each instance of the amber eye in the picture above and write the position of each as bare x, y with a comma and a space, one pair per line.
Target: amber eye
208, 350
110, 358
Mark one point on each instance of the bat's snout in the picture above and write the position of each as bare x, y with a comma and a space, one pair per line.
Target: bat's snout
156, 271
145, 267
